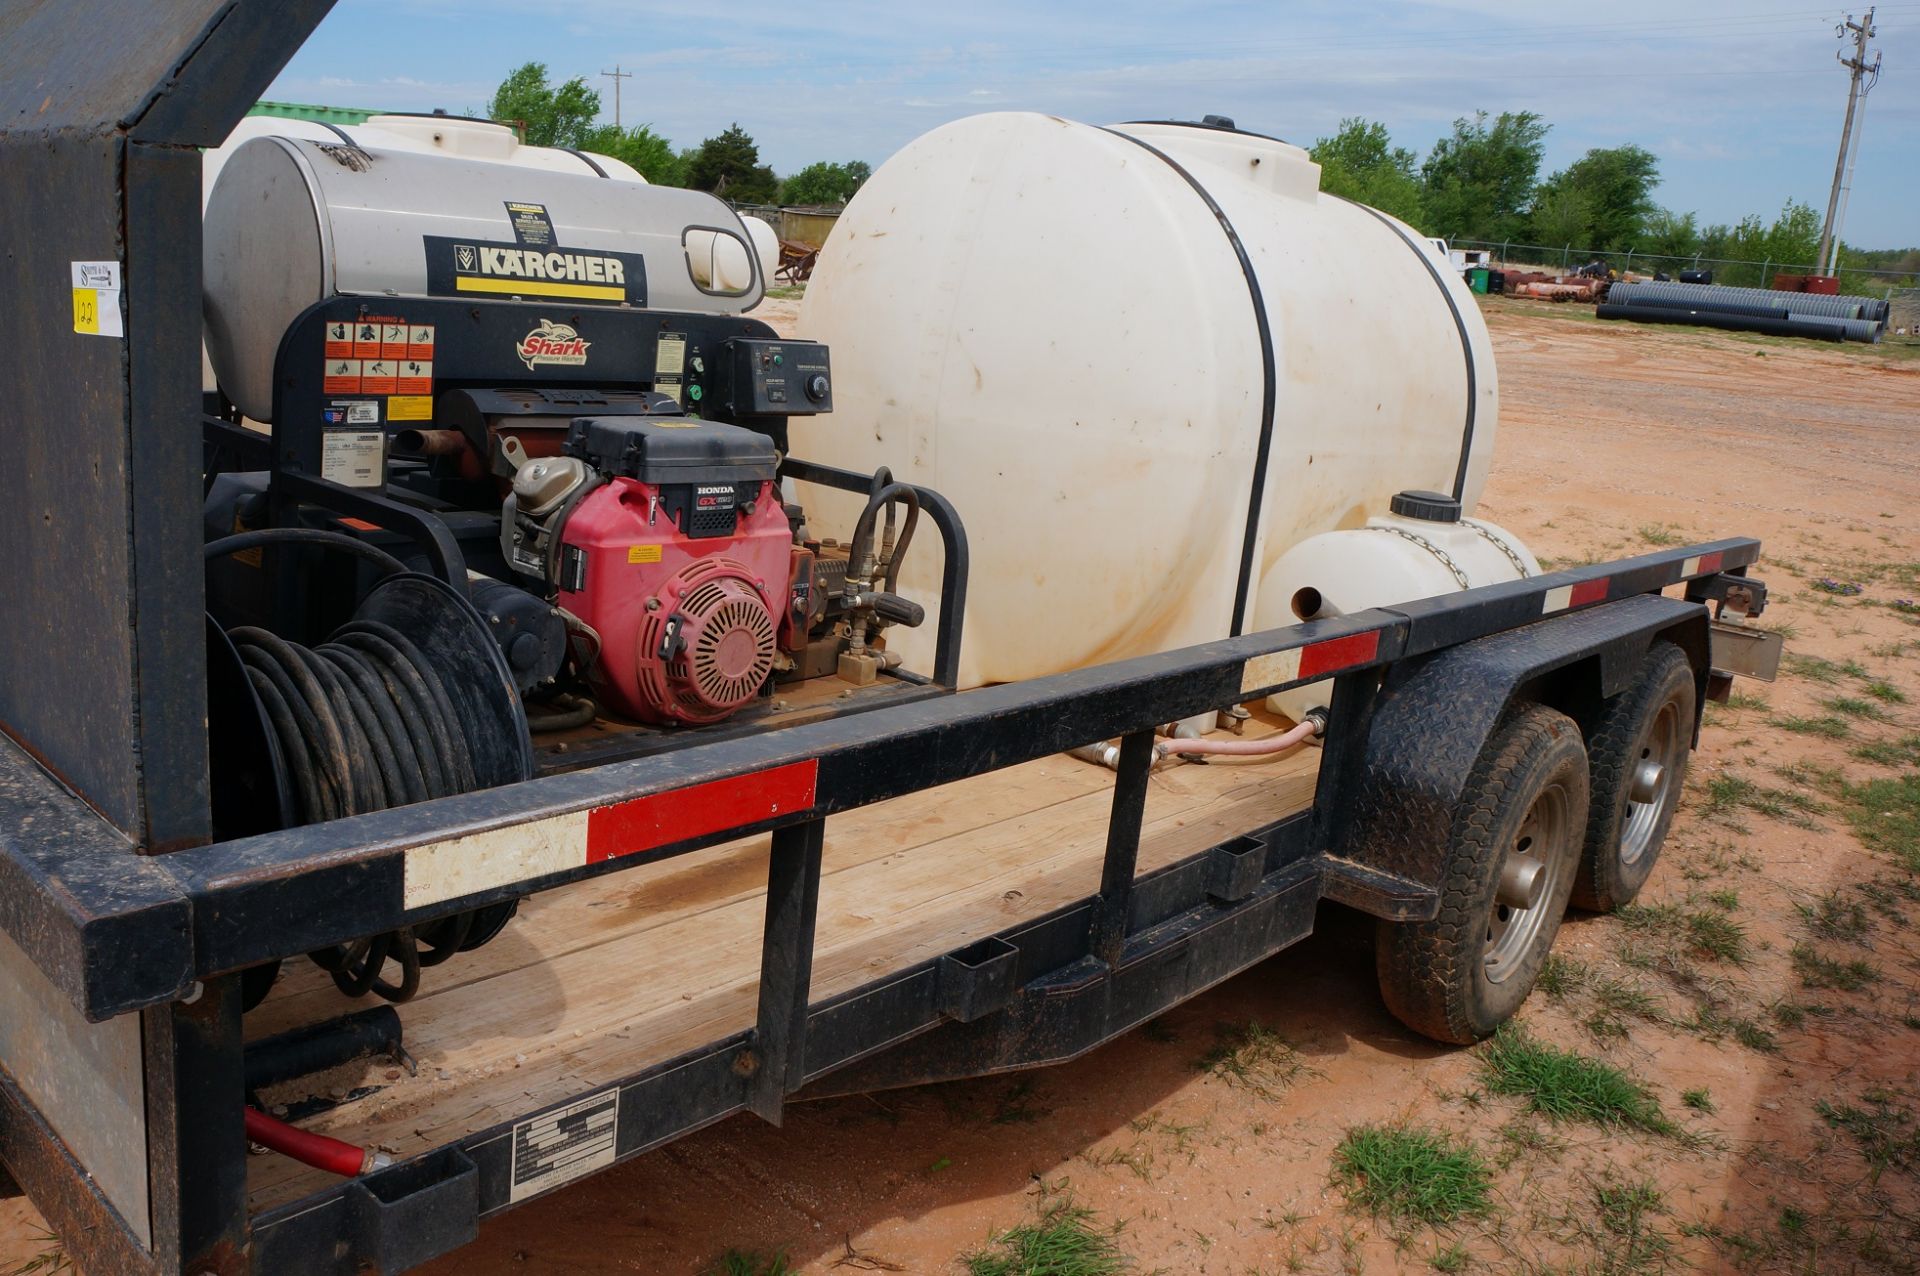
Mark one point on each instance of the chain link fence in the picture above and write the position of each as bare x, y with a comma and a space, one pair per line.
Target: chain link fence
1738, 273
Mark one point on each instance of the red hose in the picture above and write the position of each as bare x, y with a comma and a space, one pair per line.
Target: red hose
316, 1150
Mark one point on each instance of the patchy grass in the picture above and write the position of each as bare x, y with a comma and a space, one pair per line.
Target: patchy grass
1699, 1100
1708, 932
54, 1258
1742, 700
1254, 1057
1833, 916
1904, 751
1660, 534
1631, 1240
1710, 1021
1063, 1240
1885, 692
1856, 707
1565, 1086
1408, 1174
1454, 1258
1826, 725
1730, 792
1826, 672
1885, 816
742, 1263
1886, 1133
1560, 976
1819, 971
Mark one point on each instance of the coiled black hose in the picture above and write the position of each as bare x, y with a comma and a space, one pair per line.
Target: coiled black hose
364, 723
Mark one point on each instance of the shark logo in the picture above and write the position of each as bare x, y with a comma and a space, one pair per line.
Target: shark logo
552, 343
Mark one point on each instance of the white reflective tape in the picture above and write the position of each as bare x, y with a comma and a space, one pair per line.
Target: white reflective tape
1691, 567
1270, 670
463, 866
1557, 600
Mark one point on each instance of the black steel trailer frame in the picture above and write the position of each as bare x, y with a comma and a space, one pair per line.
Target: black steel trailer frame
165, 936
123, 927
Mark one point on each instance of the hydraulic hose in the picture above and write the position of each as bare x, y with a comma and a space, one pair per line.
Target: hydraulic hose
317, 1150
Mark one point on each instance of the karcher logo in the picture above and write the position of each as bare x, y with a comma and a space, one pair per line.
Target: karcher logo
528, 263
456, 268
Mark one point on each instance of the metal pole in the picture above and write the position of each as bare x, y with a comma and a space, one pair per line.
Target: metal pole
616, 75
1856, 67
1109, 935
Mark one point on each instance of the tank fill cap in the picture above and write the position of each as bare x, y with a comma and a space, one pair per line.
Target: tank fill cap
1430, 507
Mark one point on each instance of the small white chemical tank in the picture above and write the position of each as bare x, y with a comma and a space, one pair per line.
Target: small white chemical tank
1087, 339
292, 222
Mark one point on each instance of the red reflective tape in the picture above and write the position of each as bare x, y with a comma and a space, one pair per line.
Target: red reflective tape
1336, 654
1711, 562
661, 819
1588, 591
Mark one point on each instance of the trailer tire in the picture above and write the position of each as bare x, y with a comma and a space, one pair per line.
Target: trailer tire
1647, 726
1516, 834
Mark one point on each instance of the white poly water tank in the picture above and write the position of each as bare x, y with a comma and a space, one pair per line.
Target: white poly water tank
1420, 548
1082, 335
292, 222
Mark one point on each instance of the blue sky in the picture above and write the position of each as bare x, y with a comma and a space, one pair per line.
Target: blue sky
1741, 102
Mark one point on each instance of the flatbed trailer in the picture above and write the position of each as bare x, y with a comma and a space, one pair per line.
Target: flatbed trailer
915, 894
921, 891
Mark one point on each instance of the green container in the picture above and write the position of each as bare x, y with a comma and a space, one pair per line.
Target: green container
1477, 279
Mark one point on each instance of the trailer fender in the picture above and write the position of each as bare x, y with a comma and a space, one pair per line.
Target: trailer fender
1435, 715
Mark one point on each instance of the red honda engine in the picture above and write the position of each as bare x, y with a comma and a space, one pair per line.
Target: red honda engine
679, 561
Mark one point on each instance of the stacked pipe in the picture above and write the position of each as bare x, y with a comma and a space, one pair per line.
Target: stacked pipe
1776, 313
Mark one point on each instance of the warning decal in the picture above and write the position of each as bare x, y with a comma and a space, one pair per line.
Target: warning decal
457, 268
340, 340
563, 1145
393, 341
366, 340
342, 376
416, 376
379, 376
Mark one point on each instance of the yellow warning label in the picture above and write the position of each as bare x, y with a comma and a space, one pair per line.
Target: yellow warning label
643, 553
410, 407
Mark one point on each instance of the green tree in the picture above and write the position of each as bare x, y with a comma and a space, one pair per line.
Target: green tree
1561, 218
825, 183
729, 166
641, 147
1671, 234
548, 116
1614, 186
1479, 180
1360, 162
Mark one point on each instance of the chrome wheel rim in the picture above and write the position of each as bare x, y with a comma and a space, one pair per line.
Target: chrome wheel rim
1530, 877
1651, 783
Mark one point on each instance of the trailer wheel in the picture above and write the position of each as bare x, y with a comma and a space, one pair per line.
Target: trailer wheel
1637, 759
1511, 859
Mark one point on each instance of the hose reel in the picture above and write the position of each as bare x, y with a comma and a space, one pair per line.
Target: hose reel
407, 701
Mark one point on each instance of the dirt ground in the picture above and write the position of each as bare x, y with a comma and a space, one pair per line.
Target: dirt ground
1768, 996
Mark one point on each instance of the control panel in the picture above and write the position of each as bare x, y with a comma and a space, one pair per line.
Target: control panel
778, 378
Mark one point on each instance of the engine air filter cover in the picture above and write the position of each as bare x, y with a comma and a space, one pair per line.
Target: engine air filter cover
706, 651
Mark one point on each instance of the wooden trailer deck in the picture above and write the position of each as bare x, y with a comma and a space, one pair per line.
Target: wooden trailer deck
595, 981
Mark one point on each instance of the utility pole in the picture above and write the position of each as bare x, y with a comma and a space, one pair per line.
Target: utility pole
617, 75
1857, 65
